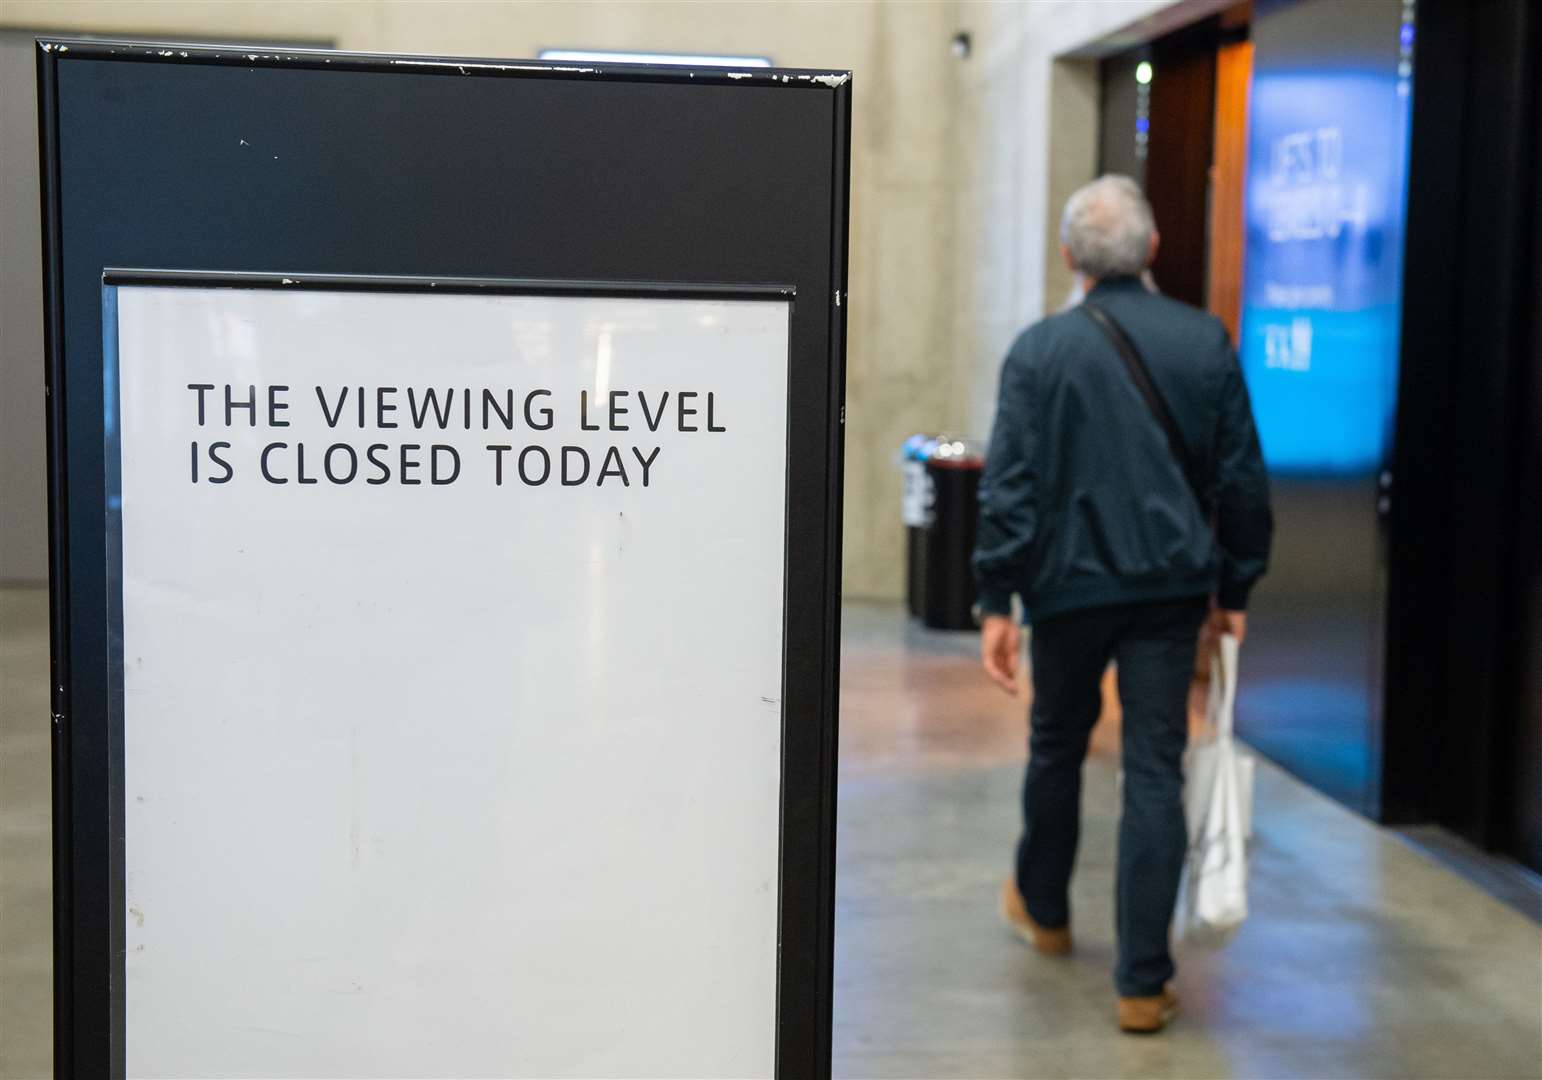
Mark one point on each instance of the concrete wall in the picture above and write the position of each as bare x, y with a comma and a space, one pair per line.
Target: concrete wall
953, 175
1026, 137
23, 499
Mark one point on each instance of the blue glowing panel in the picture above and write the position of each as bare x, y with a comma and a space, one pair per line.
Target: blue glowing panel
1325, 203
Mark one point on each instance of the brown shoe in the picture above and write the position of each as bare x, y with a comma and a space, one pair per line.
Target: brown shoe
1050, 942
1147, 1015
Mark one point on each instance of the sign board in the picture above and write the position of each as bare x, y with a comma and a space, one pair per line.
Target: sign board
467, 642
518, 707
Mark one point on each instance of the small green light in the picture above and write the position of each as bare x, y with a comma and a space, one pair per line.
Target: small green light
1143, 72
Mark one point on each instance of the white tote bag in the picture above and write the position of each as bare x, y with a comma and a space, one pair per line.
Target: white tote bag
1218, 802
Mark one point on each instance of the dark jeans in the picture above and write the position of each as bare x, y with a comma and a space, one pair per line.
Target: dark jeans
1153, 645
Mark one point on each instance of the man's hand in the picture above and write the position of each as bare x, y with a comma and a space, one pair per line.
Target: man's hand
1234, 623
1001, 643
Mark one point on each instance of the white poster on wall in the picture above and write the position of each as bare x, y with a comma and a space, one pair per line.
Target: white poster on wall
452, 661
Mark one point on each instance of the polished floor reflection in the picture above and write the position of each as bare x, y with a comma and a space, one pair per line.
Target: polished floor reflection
1362, 958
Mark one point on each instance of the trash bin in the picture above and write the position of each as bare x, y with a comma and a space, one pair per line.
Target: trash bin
916, 513
953, 473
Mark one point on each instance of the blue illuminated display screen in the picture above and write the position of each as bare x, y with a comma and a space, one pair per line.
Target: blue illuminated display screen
1324, 206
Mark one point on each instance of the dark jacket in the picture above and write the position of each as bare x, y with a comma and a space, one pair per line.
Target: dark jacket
1083, 504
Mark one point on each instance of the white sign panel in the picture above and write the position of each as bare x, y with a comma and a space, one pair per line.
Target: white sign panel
452, 659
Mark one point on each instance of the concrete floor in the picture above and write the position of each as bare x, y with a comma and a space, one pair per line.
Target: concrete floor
26, 942
1362, 958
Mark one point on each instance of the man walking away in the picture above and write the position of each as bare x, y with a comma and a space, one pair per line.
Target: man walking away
1124, 496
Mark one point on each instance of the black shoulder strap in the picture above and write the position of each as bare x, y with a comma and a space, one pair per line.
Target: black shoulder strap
1142, 379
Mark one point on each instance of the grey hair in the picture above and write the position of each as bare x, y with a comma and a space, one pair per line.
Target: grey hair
1108, 225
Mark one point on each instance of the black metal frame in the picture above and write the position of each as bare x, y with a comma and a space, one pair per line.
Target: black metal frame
261, 56
87, 792
242, 279
1461, 514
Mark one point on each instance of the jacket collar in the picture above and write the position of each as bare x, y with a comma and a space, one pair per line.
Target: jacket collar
1126, 283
